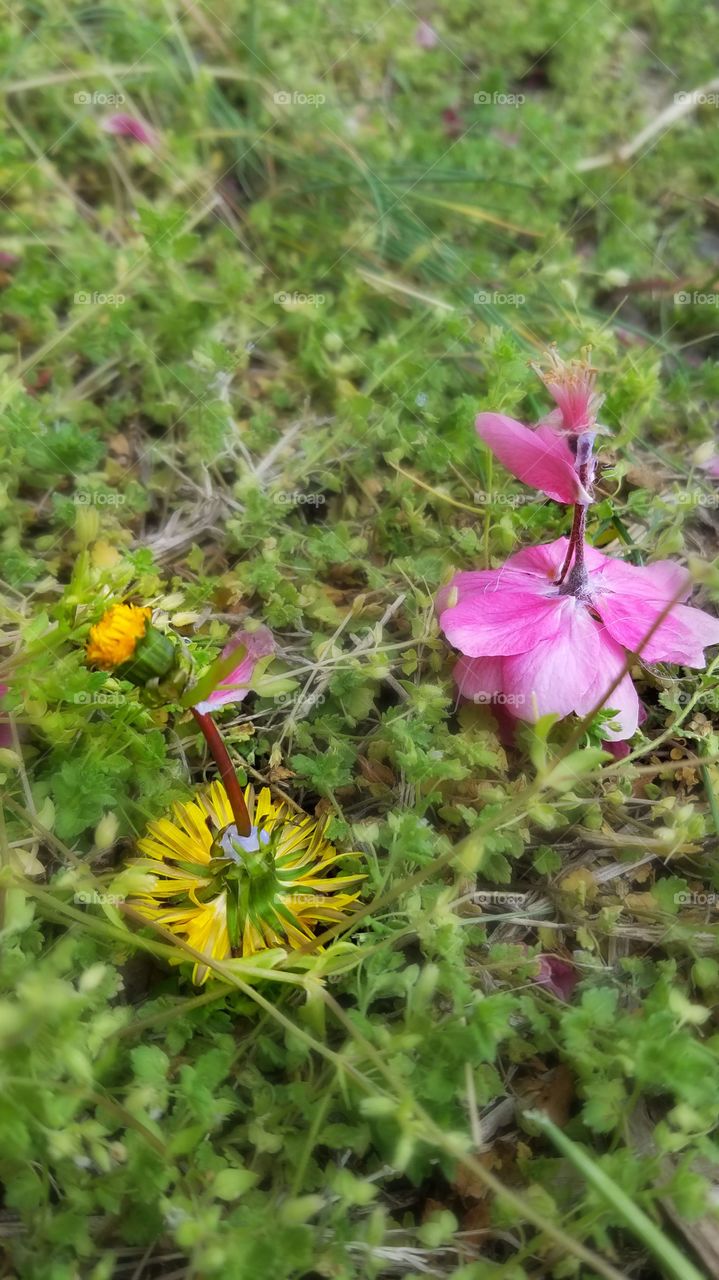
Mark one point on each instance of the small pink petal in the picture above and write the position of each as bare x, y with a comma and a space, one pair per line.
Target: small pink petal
125, 126
557, 976
452, 122
235, 686
426, 36
506, 622
712, 466
618, 748
540, 458
546, 560
543, 561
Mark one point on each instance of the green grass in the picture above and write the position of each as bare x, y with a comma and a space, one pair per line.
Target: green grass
264, 411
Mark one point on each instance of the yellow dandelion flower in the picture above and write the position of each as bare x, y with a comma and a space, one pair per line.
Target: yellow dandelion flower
114, 638
231, 895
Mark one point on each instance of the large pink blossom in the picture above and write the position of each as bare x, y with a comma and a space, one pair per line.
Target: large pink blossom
545, 456
538, 647
235, 686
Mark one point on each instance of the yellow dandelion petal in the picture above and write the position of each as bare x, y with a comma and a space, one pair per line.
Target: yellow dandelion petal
216, 805
265, 809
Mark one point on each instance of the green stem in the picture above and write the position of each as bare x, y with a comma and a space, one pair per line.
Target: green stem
670, 1260
711, 797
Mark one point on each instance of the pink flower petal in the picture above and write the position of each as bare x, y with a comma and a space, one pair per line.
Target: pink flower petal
506, 622
235, 686
465, 584
630, 599
425, 35
557, 976
555, 675
662, 581
125, 126
681, 637
479, 679
540, 458
546, 560
543, 561
624, 699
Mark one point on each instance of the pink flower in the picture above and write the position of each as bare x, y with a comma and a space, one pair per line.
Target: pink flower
426, 36
712, 467
235, 686
546, 456
536, 647
130, 127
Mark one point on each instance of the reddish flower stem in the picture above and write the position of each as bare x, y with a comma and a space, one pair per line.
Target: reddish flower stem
572, 545
575, 551
221, 756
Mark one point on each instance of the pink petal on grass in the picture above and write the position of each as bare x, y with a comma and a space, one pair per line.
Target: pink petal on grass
540, 458
557, 976
125, 126
554, 675
235, 686
425, 35
505, 622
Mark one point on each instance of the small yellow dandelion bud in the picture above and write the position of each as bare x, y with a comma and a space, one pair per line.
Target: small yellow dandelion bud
114, 638
125, 641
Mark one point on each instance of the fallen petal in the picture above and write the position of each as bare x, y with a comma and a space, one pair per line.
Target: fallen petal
125, 126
